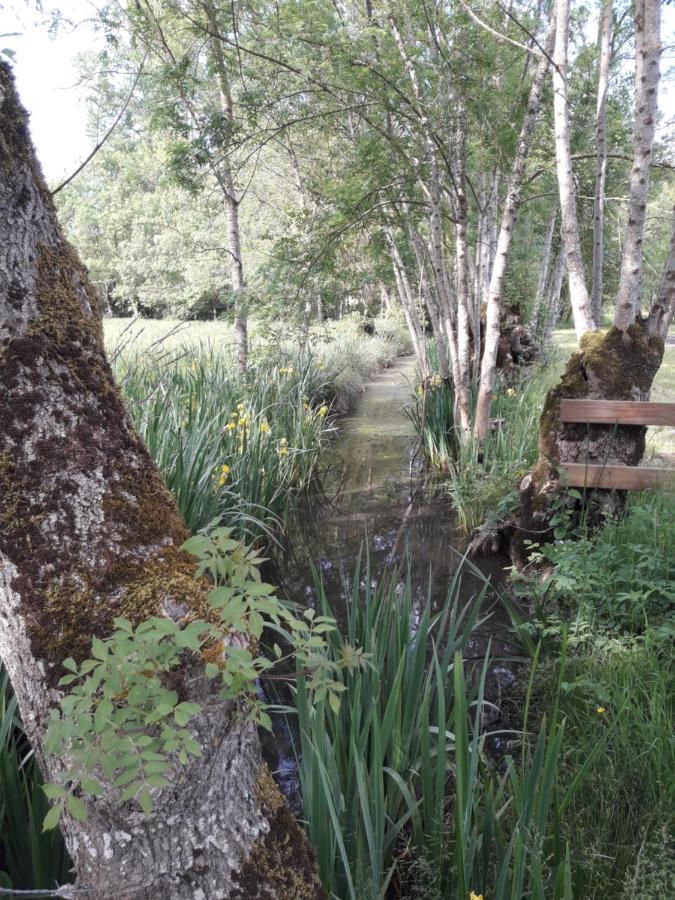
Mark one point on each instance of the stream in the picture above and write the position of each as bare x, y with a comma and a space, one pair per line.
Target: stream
376, 495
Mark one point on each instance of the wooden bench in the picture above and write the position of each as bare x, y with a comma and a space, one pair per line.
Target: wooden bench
617, 412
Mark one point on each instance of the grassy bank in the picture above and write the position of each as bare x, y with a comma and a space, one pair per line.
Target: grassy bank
242, 447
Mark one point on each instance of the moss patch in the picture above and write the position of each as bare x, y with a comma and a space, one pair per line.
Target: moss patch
281, 865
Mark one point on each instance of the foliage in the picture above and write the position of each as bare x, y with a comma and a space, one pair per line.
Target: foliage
124, 732
241, 448
623, 698
482, 479
616, 580
396, 786
29, 858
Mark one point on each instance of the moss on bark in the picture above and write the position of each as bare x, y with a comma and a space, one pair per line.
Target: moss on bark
281, 865
612, 365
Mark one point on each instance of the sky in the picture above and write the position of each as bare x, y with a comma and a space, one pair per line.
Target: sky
49, 86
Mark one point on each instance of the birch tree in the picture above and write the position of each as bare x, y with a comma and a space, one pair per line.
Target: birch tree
604, 52
88, 532
579, 297
508, 223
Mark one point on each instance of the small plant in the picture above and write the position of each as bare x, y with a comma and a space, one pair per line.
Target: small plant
122, 729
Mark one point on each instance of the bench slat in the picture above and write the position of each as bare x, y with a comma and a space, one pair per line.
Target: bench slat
624, 478
619, 412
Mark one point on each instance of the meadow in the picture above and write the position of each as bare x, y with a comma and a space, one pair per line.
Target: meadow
405, 800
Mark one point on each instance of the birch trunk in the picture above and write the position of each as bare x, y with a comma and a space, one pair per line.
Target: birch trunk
579, 298
88, 531
554, 295
431, 302
663, 308
604, 50
226, 180
543, 281
511, 205
407, 301
647, 57
622, 363
462, 279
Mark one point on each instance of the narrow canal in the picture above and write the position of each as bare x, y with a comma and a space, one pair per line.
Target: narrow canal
376, 497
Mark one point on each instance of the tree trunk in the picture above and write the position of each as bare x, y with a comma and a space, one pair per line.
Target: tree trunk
604, 52
226, 180
554, 296
581, 302
647, 57
621, 364
408, 305
543, 282
511, 205
431, 302
88, 531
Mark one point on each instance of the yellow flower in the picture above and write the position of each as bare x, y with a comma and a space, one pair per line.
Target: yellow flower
511, 392
264, 427
283, 442
305, 406
323, 412
600, 710
474, 896
235, 414
282, 451
230, 426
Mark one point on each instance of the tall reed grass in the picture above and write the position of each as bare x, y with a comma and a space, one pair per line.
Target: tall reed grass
399, 796
29, 857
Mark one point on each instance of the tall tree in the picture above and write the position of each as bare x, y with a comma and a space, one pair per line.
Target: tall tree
604, 54
88, 532
579, 297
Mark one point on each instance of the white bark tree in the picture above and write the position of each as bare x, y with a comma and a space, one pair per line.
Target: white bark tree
647, 73
604, 55
88, 532
579, 297
508, 222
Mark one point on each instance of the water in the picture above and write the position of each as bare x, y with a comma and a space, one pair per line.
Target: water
375, 496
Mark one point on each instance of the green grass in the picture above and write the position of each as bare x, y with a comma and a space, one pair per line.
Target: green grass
613, 591
241, 448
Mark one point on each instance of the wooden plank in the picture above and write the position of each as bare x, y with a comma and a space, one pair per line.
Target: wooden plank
617, 412
622, 478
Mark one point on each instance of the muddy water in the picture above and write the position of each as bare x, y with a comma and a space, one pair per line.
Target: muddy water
375, 494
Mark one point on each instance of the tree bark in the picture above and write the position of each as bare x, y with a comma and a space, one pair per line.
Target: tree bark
663, 308
88, 531
226, 180
554, 295
509, 215
543, 281
604, 51
647, 57
622, 363
581, 302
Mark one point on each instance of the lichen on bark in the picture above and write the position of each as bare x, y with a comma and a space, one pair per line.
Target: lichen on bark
88, 531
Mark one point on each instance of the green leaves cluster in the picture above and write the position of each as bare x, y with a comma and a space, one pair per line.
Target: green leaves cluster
123, 725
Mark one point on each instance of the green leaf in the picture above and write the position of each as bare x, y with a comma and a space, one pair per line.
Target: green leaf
76, 808
54, 791
52, 818
145, 801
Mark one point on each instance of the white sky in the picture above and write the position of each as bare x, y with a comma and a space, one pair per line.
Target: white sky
48, 82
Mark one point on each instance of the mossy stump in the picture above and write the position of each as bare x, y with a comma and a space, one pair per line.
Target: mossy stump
611, 365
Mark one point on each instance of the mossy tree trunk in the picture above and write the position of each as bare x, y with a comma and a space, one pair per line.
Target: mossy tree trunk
88, 531
620, 364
